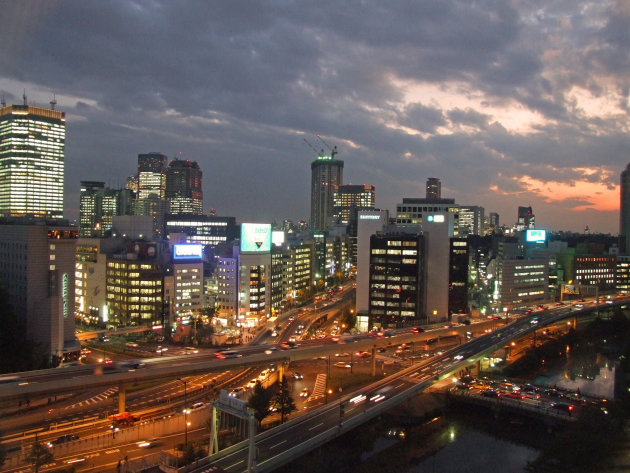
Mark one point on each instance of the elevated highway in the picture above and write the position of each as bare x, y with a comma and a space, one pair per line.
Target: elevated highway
280, 445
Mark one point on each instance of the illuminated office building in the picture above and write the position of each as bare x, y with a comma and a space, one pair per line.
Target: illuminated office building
348, 201
326, 177
151, 175
434, 189
184, 187
32, 154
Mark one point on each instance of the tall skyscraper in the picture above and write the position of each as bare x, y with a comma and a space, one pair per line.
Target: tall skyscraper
32, 154
184, 187
624, 211
434, 189
326, 177
151, 175
99, 205
526, 218
348, 201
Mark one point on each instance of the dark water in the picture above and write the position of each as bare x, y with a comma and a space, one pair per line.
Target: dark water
473, 451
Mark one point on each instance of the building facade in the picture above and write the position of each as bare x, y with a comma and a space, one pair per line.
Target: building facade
396, 280
184, 187
32, 155
326, 177
37, 271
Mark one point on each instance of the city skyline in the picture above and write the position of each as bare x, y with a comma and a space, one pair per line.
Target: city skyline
508, 105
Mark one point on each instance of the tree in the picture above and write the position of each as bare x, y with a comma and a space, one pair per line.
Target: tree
39, 455
260, 401
283, 400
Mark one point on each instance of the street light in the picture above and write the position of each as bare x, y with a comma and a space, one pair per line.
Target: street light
185, 412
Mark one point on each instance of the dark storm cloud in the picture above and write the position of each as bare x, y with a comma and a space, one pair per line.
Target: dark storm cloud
238, 85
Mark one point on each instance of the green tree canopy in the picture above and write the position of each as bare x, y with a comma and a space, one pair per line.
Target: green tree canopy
39, 455
284, 401
260, 401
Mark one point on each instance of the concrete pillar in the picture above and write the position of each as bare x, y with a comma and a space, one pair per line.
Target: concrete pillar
280, 372
122, 397
478, 367
214, 432
373, 361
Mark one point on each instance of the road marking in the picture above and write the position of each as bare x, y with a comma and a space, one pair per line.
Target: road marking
315, 426
276, 445
235, 464
112, 451
401, 384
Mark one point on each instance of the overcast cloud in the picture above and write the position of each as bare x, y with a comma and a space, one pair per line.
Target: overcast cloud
508, 103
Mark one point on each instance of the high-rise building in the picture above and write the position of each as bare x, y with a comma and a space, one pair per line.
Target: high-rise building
32, 154
413, 211
397, 279
184, 187
151, 175
434, 189
526, 219
348, 201
326, 177
471, 220
99, 205
88, 207
38, 272
624, 211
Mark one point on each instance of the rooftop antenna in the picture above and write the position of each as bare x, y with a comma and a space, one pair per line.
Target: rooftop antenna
53, 102
3, 102
24, 96
333, 150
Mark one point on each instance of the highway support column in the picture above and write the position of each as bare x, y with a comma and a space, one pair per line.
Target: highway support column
122, 398
373, 361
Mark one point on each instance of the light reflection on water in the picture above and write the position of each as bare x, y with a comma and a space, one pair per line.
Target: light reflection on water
473, 451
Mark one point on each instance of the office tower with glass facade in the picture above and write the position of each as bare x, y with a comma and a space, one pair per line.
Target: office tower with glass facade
434, 189
184, 187
348, 201
32, 155
326, 177
151, 175
99, 205
525, 219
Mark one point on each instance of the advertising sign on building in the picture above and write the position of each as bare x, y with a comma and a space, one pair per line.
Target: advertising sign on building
187, 252
255, 238
534, 235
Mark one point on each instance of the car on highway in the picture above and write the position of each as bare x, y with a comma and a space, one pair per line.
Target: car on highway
491, 393
363, 354
236, 392
305, 392
563, 407
63, 439
417, 330
251, 383
342, 364
222, 355
197, 405
512, 395
288, 345
296, 375
151, 443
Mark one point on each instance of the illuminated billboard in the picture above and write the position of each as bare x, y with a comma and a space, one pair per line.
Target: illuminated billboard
534, 235
277, 238
255, 238
187, 252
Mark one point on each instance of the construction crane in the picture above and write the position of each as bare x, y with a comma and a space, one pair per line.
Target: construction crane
318, 153
333, 150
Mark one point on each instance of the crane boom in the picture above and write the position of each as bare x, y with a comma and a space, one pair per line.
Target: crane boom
318, 153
